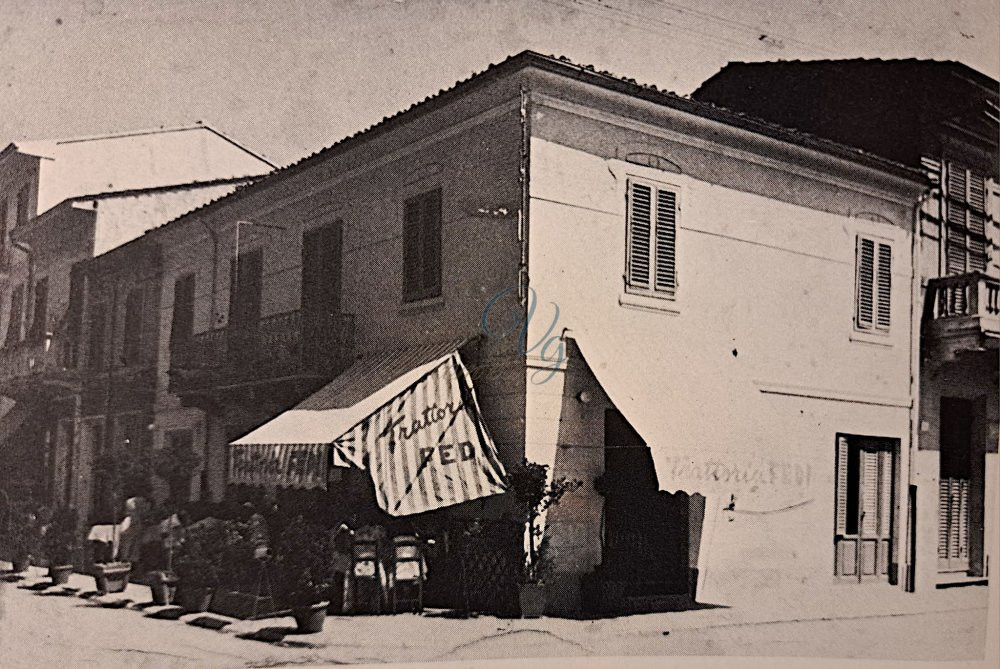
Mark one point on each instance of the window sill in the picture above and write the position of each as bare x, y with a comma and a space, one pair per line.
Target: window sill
656, 302
876, 338
422, 305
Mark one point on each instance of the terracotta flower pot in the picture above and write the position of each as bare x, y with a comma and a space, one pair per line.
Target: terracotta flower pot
112, 576
532, 597
310, 618
60, 573
163, 587
194, 600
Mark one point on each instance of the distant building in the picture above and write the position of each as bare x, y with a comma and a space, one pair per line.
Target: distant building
63, 201
943, 118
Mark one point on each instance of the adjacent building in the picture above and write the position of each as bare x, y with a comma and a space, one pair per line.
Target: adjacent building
62, 202
943, 118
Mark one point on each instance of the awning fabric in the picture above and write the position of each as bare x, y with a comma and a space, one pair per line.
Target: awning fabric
410, 417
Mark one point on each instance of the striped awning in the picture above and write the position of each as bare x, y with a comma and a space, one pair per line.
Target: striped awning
410, 417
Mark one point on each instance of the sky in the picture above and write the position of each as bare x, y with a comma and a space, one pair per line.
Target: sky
289, 77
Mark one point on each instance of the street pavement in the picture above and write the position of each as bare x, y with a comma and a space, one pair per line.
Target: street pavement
40, 629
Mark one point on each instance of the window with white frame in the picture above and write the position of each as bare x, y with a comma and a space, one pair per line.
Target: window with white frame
874, 285
651, 263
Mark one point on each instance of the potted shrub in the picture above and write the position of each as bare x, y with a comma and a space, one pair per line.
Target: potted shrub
304, 569
61, 545
23, 535
200, 560
533, 494
123, 474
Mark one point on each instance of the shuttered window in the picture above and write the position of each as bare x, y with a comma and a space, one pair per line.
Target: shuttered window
132, 340
652, 238
182, 325
422, 246
874, 285
16, 318
965, 216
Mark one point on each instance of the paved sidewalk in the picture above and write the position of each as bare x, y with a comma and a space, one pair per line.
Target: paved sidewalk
885, 622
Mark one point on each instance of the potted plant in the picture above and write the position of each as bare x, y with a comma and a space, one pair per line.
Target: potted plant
61, 544
304, 572
200, 560
123, 474
23, 535
533, 494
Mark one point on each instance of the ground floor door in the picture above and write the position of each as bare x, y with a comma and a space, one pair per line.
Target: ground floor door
956, 486
865, 508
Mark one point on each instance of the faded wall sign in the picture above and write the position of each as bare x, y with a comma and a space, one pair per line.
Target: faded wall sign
731, 474
291, 465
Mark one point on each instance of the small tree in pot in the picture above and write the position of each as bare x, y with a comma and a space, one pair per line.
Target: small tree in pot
200, 560
304, 572
62, 544
23, 534
533, 494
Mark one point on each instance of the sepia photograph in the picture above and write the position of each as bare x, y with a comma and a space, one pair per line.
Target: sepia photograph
499, 333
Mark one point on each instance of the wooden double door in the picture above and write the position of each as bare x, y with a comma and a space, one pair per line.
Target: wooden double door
865, 509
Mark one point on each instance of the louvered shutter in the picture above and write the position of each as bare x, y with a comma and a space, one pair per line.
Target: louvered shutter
866, 279
842, 450
944, 514
666, 240
869, 493
640, 222
412, 219
431, 243
885, 492
884, 285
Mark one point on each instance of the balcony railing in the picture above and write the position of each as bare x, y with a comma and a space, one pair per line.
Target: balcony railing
963, 306
35, 364
287, 345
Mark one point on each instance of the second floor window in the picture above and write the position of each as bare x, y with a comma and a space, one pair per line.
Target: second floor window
182, 326
965, 234
96, 332
422, 246
132, 336
3, 228
874, 285
15, 320
22, 207
41, 311
651, 238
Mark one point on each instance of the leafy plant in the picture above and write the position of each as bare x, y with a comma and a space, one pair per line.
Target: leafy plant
23, 530
302, 562
122, 472
175, 464
533, 494
203, 554
62, 541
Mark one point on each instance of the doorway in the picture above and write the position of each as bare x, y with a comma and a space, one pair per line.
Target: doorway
865, 513
957, 487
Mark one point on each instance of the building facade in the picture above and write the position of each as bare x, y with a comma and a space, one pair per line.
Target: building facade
712, 322
63, 202
944, 121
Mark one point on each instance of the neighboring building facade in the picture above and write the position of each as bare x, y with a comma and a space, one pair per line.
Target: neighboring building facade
941, 117
62, 202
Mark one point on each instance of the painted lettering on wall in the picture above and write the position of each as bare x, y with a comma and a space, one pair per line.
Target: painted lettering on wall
773, 474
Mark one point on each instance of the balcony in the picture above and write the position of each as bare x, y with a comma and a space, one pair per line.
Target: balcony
961, 314
283, 347
37, 366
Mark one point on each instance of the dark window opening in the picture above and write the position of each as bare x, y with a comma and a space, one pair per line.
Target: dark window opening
182, 326
132, 336
422, 247
14, 321
38, 324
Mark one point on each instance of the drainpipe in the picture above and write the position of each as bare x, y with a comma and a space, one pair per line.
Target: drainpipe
203, 488
916, 315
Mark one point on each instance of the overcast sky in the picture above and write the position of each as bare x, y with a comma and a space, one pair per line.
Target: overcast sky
288, 77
